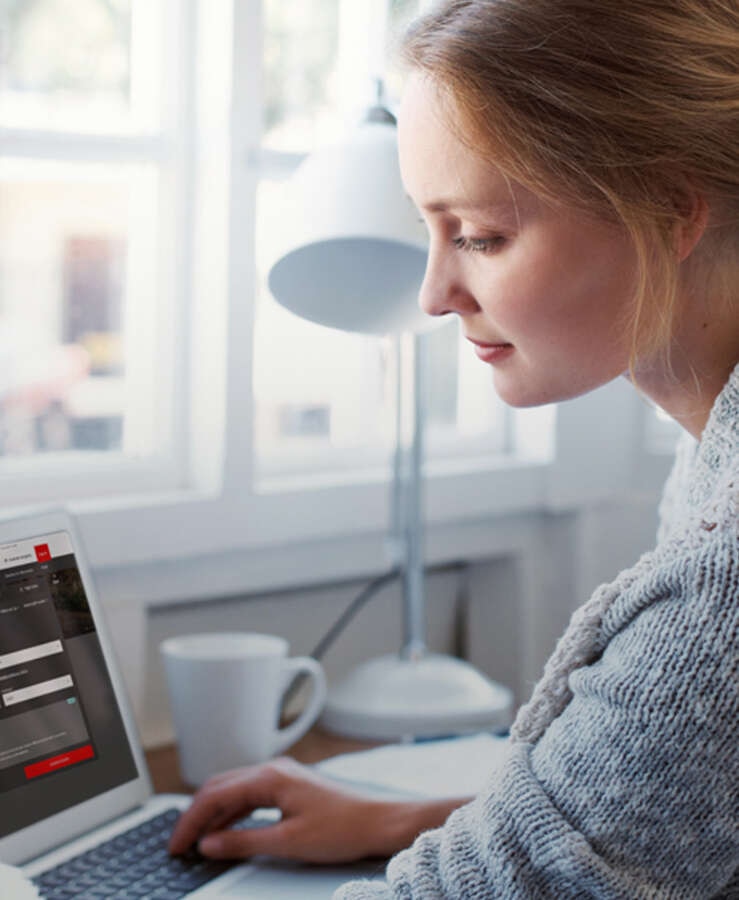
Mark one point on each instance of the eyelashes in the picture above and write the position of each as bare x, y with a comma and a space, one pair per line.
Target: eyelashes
473, 245
478, 245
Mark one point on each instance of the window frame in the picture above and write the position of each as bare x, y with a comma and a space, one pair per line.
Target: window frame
66, 477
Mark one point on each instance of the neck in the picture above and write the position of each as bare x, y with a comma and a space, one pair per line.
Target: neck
686, 382
688, 404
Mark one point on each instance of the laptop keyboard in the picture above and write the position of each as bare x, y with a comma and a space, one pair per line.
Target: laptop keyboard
134, 864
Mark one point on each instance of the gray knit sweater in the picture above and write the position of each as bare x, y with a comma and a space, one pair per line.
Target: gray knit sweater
622, 772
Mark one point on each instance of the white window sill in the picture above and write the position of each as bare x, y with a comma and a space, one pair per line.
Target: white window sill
176, 525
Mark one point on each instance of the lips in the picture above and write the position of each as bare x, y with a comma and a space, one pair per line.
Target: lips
491, 352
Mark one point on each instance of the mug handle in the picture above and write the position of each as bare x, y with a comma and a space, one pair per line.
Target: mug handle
284, 737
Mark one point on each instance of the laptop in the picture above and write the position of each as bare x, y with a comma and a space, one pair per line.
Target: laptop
75, 793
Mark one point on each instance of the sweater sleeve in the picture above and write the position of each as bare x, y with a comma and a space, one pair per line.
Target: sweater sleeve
632, 791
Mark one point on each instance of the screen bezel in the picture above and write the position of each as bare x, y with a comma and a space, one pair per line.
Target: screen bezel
30, 842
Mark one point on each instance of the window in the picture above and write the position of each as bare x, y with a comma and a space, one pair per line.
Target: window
144, 369
89, 192
325, 400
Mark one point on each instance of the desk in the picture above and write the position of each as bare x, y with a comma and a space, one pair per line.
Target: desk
313, 747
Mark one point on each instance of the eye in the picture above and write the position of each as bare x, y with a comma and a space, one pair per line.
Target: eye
478, 245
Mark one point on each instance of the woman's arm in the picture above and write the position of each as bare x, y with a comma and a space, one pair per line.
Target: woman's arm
399, 823
632, 790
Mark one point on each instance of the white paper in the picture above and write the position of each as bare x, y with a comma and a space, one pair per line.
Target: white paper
455, 767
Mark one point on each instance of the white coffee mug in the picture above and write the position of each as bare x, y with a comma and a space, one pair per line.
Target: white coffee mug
225, 692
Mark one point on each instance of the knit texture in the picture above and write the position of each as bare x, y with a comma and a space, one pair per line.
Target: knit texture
621, 779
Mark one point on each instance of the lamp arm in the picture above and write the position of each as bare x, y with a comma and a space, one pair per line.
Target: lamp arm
396, 529
413, 362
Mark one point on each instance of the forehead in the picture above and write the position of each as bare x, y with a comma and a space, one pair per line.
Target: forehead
439, 169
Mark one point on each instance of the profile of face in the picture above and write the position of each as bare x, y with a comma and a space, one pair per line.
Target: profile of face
543, 292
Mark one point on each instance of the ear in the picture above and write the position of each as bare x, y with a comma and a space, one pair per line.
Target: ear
692, 224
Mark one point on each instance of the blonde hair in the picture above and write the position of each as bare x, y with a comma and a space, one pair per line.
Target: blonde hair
627, 110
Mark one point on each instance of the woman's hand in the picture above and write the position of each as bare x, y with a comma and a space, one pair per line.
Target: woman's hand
321, 821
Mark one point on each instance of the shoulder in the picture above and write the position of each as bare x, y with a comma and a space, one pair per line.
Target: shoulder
692, 577
671, 655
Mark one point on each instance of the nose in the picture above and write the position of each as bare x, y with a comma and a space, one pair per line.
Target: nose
443, 290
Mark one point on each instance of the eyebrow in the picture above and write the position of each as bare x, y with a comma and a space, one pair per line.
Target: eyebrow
452, 203
498, 206
506, 214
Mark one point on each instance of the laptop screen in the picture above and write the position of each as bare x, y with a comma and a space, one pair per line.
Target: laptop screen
62, 738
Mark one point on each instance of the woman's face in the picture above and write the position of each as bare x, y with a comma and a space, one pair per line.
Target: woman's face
543, 293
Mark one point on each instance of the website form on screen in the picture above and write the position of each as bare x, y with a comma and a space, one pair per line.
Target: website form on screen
61, 736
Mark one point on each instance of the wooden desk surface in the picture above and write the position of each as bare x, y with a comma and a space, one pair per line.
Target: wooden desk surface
313, 747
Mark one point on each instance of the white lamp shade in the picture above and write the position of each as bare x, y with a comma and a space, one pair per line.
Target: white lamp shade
352, 253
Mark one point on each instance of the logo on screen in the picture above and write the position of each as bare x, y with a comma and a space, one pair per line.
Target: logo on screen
42, 553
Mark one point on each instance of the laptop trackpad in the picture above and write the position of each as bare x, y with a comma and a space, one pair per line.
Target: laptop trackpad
274, 880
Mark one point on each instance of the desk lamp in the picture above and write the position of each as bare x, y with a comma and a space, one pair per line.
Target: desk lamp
352, 257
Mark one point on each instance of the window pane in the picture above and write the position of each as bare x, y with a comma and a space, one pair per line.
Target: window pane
401, 13
79, 293
300, 83
321, 62
471, 405
319, 392
316, 388
91, 65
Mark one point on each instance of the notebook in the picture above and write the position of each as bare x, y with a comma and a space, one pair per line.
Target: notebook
73, 778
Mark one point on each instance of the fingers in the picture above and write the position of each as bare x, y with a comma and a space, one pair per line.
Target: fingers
224, 799
269, 840
217, 803
206, 813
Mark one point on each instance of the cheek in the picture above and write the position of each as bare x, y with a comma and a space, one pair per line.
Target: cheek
565, 297
522, 297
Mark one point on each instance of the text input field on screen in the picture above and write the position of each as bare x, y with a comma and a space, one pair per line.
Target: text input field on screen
10, 698
39, 651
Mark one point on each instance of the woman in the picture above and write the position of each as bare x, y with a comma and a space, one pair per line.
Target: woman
576, 164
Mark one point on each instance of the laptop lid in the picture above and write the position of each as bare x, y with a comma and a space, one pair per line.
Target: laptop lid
70, 757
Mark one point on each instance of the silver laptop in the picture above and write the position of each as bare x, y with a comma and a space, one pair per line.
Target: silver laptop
73, 779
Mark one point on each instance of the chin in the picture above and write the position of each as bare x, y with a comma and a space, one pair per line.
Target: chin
524, 394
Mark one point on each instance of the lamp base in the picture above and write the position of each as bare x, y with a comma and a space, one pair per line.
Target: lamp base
390, 698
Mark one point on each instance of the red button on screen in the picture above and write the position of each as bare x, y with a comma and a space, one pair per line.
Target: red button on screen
59, 762
42, 553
